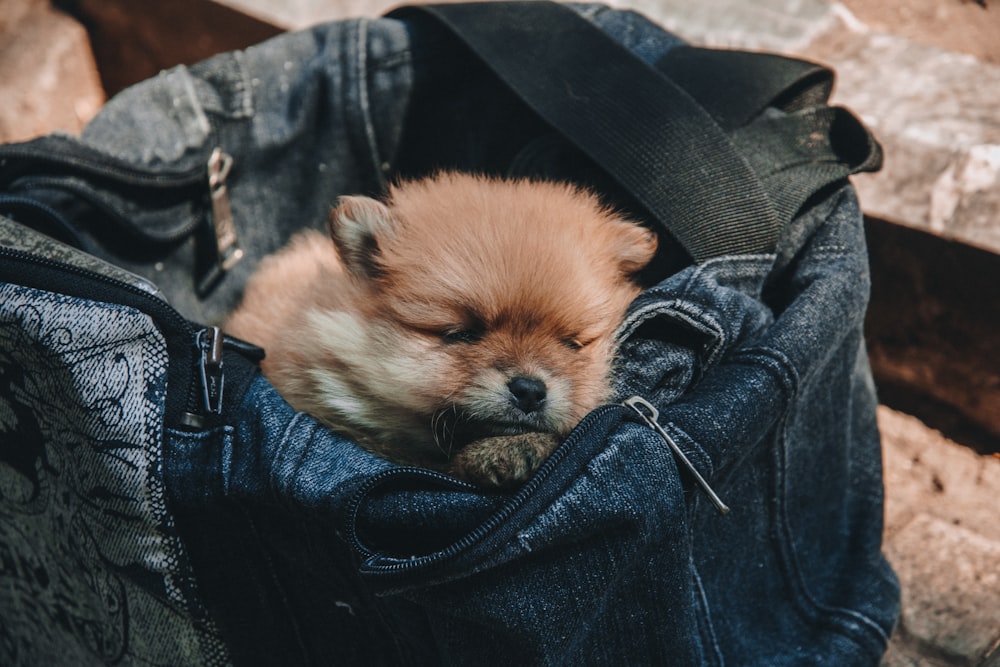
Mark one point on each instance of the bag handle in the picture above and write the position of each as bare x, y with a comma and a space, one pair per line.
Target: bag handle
638, 125
660, 132
736, 86
797, 155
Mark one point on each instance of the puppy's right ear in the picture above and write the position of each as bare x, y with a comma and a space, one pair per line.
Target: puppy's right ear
359, 226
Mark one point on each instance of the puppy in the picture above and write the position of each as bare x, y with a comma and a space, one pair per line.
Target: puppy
465, 325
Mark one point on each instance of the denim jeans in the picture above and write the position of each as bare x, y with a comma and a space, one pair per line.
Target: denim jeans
279, 542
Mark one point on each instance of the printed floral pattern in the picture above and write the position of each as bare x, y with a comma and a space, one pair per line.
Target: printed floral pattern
86, 543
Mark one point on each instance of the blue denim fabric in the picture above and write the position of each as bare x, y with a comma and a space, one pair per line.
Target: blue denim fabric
610, 554
308, 550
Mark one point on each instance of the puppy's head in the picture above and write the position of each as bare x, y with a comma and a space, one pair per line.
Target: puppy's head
491, 305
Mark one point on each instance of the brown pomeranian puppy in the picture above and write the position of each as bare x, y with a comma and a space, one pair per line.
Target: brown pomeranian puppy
465, 325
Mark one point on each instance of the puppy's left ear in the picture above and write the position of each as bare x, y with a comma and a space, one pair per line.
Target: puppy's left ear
635, 245
359, 226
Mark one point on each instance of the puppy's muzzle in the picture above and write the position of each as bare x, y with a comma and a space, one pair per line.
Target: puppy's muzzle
527, 394
524, 407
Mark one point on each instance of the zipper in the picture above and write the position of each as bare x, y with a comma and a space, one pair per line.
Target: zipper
46, 160
213, 380
650, 416
195, 356
226, 242
44, 218
394, 474
54, 155
386, 569
482, 530
227, 249
646, 411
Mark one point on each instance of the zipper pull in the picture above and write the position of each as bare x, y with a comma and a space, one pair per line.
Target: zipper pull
209, 343
226, 240
651, 416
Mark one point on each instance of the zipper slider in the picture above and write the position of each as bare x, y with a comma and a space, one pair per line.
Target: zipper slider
209, 342
651, 416
226, 240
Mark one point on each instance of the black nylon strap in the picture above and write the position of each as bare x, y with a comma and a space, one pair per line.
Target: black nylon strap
736, 86
639, 126
800, 154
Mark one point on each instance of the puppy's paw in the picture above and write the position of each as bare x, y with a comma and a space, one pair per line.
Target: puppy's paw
502, 461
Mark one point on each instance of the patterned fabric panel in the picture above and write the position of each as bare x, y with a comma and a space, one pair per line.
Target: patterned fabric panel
91, 569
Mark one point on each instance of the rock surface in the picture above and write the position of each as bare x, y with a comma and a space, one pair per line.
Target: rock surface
942, 537
49, 80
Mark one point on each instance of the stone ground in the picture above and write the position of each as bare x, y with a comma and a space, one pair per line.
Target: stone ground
44, 88
924, 74
943, 539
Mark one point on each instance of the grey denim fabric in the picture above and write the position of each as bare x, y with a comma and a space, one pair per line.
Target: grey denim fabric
298, 547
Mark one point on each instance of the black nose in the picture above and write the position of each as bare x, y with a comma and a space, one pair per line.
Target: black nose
528, 393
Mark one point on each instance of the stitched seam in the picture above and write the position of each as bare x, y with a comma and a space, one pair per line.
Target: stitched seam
707, 615
364, 101
836, 618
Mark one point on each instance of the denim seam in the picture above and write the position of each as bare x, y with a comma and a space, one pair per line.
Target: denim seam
764, 260
684, 311
783, 367
245, 87
391, 61
371, 141
187, 82
692, 449
838, 619
706, 614
701, 316
828, 251
751, 259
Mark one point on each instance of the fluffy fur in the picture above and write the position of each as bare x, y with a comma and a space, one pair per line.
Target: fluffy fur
466, 324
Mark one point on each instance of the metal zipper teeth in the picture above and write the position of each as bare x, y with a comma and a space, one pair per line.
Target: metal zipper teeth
485, 528
99, 167
154, 307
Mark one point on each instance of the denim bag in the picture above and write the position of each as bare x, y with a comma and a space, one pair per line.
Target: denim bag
161, 504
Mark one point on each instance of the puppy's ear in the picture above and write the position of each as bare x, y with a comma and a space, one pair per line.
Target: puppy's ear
635, 245
358, 227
